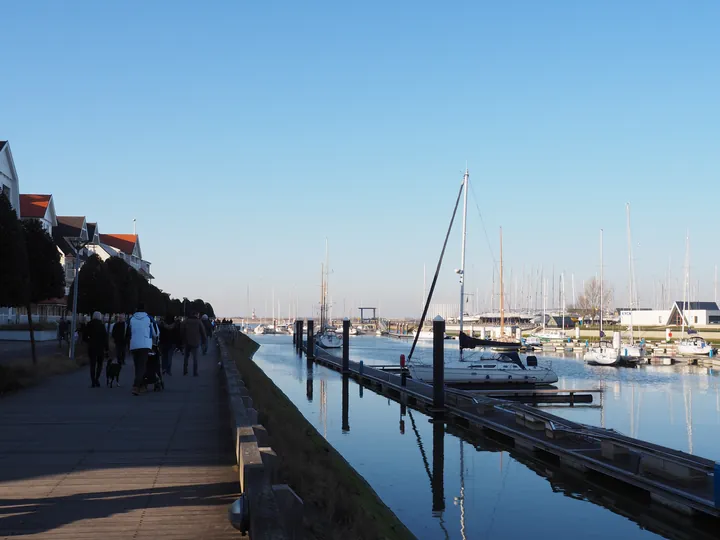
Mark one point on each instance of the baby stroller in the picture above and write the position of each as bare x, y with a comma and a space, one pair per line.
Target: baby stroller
153, 368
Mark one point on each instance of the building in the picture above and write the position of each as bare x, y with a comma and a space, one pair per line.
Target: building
40, 207
9, 183
696, 314
127, 247
65, 233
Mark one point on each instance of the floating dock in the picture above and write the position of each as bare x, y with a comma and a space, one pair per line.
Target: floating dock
667, 478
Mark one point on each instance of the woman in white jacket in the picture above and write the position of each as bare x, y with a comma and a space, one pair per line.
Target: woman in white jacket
142, 333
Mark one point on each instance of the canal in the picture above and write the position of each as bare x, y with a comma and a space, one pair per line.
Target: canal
446, 484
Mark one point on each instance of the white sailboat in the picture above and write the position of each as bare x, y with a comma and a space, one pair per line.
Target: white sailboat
487, 368
602, 355
693, 345
630, 352
327, 338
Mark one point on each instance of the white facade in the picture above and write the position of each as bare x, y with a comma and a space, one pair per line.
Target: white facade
9, 183
695, 314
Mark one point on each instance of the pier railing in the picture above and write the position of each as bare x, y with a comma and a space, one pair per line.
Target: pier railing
265, 510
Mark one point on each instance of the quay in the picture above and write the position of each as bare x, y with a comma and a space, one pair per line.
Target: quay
686, 485
79, 462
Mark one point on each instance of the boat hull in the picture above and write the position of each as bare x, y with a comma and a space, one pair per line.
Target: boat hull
480, 375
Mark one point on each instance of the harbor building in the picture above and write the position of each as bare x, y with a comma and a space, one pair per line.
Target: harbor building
695, 314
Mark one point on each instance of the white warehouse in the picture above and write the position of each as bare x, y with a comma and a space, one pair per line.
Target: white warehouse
696, 314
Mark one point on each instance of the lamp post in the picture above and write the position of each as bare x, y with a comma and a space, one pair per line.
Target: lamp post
78, 244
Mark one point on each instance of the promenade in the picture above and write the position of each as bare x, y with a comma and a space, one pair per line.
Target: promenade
79, 462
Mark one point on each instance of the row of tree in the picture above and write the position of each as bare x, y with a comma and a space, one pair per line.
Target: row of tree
113, 286
30, 272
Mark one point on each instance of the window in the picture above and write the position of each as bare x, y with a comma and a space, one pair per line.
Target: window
659, 319
695, 319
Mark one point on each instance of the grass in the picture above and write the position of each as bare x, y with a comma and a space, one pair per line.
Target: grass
19, 374
37, 326
338, 502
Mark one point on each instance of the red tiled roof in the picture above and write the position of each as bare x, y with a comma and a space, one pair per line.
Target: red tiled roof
34, 206
123, 242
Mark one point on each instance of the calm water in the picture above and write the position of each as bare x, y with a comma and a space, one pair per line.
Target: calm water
443, 487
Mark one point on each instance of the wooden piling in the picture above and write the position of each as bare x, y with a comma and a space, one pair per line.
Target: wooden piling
439, 362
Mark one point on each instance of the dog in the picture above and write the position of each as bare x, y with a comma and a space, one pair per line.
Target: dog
113, 372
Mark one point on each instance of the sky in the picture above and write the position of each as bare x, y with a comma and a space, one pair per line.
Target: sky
242, 135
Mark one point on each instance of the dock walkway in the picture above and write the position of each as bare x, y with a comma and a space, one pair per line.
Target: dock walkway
79, 462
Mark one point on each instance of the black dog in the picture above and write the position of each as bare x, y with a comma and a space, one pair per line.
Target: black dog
113, 372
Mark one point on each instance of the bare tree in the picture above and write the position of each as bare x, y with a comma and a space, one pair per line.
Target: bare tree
589, 301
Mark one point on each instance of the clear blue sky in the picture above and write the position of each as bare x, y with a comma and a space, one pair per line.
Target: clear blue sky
241, 134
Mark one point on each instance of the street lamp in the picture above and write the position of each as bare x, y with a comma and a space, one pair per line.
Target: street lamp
78, 244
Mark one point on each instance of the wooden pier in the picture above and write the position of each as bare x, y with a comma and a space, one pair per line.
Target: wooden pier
671, 479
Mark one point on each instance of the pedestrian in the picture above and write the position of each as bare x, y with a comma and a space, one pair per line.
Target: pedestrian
208, 332
97, 340
119, 335
167, 343
141, 332
193, 336
63, 333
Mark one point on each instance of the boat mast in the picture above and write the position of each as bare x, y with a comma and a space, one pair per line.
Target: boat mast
502, 294
461, 272
322, 294
686, 281
632, 273
601, 286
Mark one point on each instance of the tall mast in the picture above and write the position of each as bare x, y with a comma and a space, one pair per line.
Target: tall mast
686, 282
461, 271
601, 285
466, 179
632, 273
322, 293
502, 294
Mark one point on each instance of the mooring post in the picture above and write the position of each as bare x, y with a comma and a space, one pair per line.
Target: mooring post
295, 336
403, 374
310, 341
346, 346
439, 362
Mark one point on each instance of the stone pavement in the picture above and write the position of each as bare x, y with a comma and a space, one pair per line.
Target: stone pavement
79, 462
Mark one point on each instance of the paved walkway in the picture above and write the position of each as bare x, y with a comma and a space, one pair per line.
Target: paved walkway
79, 462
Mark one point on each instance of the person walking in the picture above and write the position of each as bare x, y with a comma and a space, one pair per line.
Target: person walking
193, 336
207, 325
97, 340
63, 332
141, 332
167, 343
119, 335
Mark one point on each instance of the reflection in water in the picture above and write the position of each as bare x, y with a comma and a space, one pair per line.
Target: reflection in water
345, 404
309, 390
438, 477
323, 405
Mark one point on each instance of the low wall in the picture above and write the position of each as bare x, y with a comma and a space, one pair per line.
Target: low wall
270, 511
24, 335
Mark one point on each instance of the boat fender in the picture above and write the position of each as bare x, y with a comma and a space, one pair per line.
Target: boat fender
532, 361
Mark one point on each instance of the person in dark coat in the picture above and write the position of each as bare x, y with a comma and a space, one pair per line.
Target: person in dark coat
208, 332
193, 336
119, 335
96, 337
167, 342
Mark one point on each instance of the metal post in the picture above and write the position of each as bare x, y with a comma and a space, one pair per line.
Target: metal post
310, 341
345, 404
438, 362
346, 346
73, 326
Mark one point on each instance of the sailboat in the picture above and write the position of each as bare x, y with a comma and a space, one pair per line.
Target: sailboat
631, 352
327, 338
488, 368
602, 355
693, 345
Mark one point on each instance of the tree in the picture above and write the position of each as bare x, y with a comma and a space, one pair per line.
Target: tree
97, 290
198, 306
13, 257
46, 278
126, 285
209, 311
175, 308
589, 302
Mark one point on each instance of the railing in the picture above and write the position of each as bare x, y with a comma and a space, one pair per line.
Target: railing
265, 510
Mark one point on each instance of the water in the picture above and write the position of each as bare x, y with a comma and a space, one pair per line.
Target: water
443, 487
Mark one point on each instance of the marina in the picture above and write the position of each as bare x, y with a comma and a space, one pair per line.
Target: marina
622, 390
